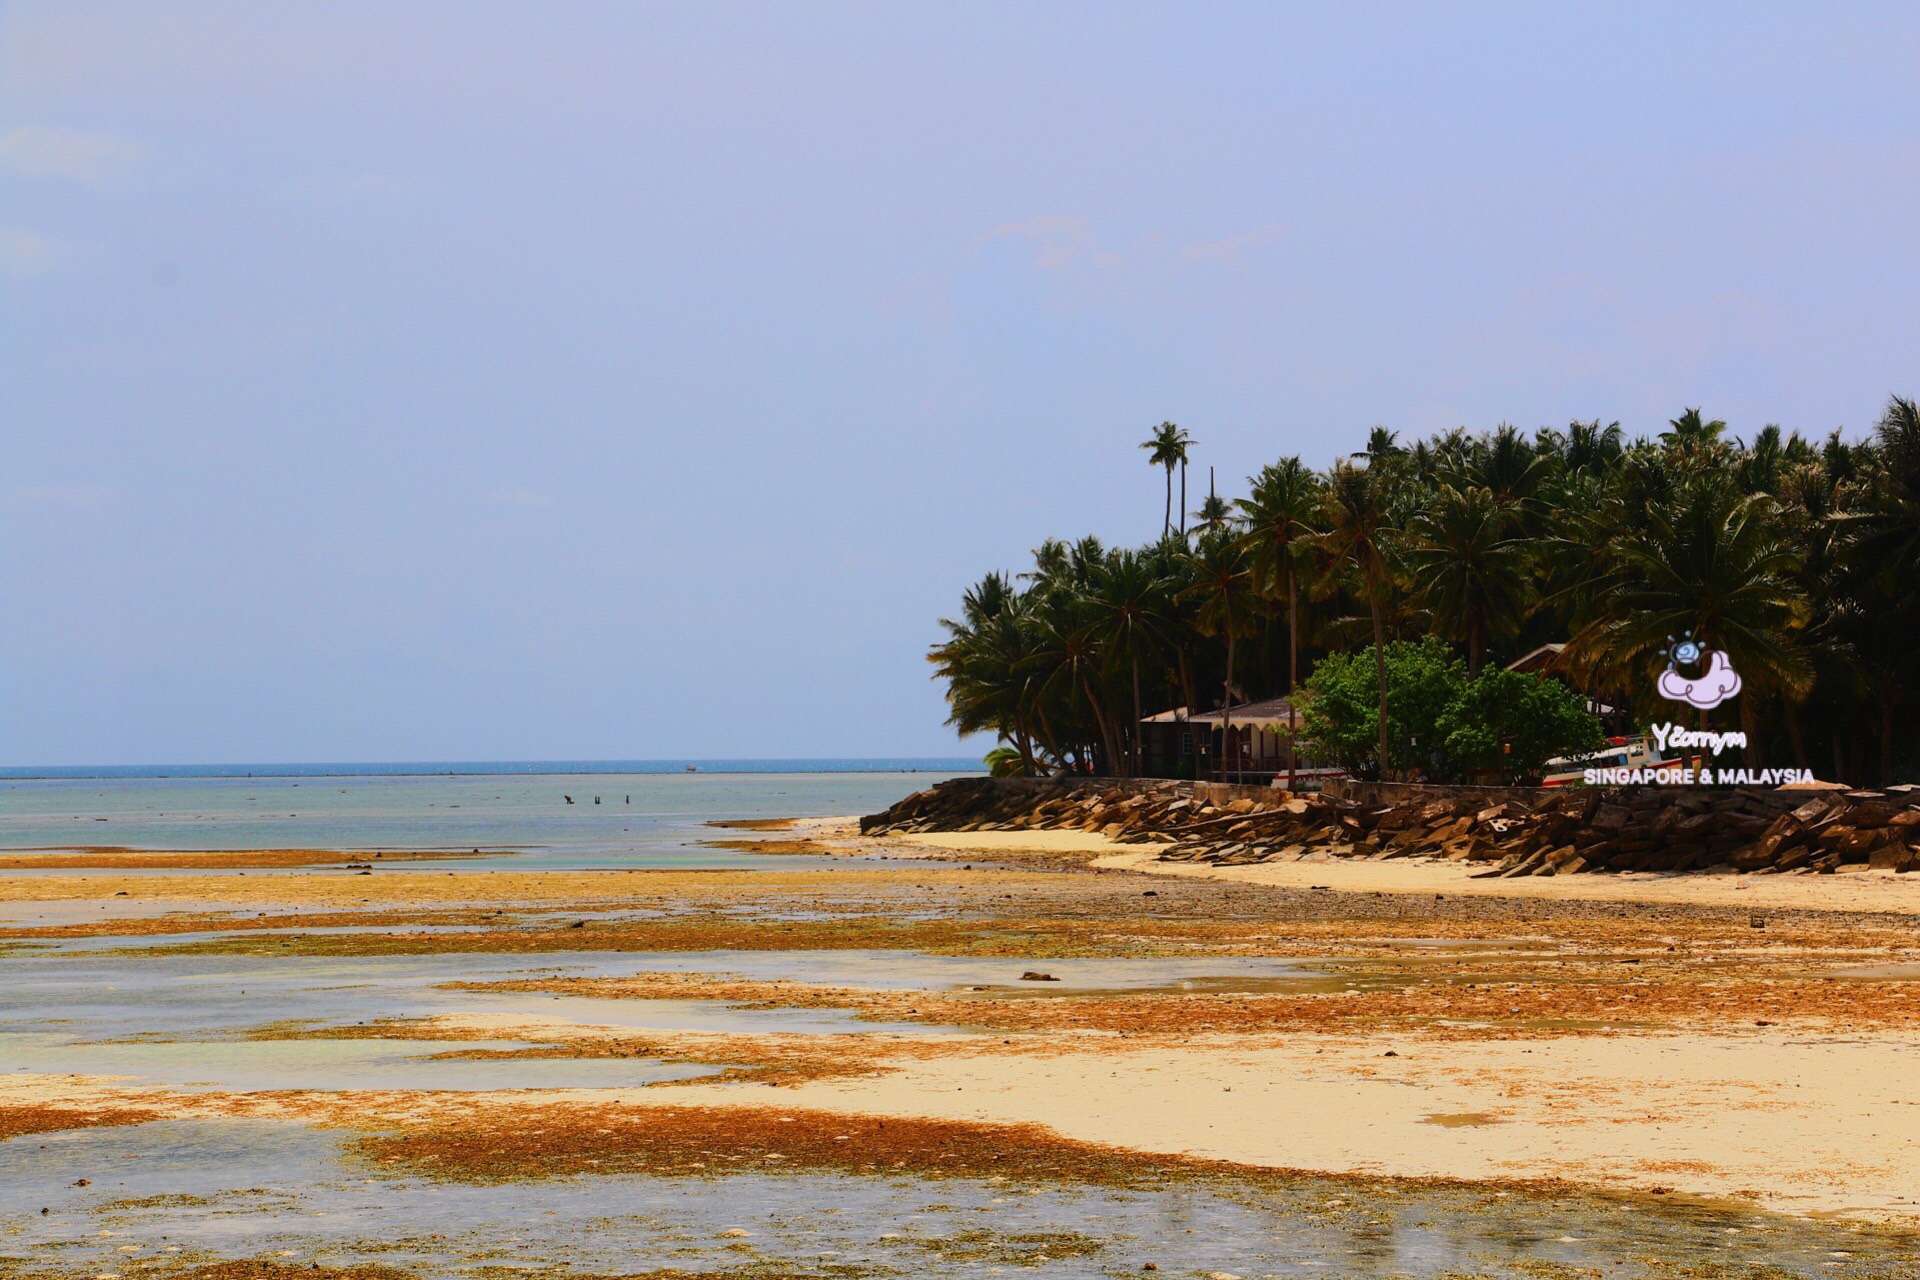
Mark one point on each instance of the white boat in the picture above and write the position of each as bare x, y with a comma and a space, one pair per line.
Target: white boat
1619, 753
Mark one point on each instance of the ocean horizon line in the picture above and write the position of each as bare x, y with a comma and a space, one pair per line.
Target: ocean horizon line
482, 768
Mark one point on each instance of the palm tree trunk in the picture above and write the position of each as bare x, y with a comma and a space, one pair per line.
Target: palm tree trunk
1105, 725
1183, 497
1166, 518
1046, 736
1134, 739
1293, 668
1226, 711
1887, 692
1793, 733
1475, 647
1379, 665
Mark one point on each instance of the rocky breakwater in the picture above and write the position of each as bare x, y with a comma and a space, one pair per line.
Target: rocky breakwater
1515, 831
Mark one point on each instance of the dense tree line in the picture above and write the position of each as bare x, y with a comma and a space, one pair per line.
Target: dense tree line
1799, 559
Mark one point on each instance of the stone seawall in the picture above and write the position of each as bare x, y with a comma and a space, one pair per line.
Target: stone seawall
1515, 830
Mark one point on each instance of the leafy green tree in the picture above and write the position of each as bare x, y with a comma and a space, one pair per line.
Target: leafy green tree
1342, 715
1358, 534
1507, 724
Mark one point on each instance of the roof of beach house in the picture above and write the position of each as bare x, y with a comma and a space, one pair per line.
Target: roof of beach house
1272, 713
1542, 659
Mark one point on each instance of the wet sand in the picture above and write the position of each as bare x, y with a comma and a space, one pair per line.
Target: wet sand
1738, 1040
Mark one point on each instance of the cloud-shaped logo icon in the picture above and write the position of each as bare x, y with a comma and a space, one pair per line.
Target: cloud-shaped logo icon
1706, 691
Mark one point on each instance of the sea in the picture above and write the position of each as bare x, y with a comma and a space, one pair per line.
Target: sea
547, 815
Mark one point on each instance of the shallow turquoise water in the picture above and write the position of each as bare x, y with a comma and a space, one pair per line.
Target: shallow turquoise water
640, 820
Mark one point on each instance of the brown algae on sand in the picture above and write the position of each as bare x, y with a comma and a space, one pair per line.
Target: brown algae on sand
20, 1119
754, 1059
513, 1143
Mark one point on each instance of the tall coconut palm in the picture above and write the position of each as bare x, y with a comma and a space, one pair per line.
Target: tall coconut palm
1692, 432
1466, 569
1508, 465
1067, 662
1212, 516
1883, 562
1584, 448
1227, 603
1714, 562
1281, 518
1359, 535
1128, 618
1382, 444
986, 662
1167, 448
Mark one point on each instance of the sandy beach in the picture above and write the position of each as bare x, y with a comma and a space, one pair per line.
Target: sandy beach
1744, 1042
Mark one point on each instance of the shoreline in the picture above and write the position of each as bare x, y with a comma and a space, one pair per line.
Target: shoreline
1650, 1089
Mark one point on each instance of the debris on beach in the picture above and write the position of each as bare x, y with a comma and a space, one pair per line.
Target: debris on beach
1518, 831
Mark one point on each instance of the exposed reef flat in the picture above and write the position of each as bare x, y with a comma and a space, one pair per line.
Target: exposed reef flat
1012, 1016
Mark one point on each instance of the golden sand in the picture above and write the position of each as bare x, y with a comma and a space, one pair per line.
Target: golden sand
1744, 1037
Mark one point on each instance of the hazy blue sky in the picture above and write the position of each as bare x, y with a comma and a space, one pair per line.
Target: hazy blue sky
413, 381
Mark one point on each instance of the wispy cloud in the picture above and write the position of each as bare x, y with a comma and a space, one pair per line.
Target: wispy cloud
24, 253
1227, 252
91, 159
1060, 241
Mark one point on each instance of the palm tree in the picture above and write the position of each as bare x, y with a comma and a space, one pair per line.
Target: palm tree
1883, 559
1167, 448
1223, 590
1584, 448
1796, 558
985, 661
1282, 517
1212, 516
1357, 534
1692, 432
1507, 464
1381, 445
1715, 562
1466, 571
1182, 443
1067, 663
1128, 618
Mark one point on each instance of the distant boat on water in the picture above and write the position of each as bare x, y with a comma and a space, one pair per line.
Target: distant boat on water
693, 768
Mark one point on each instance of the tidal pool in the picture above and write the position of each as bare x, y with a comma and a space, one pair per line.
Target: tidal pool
185, 1021
185, 1192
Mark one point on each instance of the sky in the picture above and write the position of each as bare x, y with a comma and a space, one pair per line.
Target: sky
480, 381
